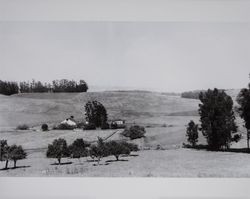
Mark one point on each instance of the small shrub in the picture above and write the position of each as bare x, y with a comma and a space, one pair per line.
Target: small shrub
22, 127
134, 132
45, 127
58, 149
89, 126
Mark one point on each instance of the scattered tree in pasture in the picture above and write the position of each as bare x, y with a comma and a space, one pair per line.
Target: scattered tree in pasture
116, 148
58, 149
78, 148
243, 100
99, 150
192, 133
217, 118
16, 153
134, 132
96, 113
4, 152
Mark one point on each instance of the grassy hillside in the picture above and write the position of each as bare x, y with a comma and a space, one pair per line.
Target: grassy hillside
134, 106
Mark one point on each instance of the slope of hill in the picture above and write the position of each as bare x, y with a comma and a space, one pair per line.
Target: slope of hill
133, 106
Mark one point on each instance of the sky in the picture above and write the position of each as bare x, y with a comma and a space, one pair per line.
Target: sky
158, 56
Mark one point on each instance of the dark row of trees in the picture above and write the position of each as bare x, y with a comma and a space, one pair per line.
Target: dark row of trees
80, 148
8, 88
63, 85
217, 119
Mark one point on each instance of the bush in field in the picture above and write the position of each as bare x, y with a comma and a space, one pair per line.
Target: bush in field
65, 126
78, 148
134, 132
118, 148
58, 149
22, 127
16, 153
217, 118
99, 150
96, 113
45, 127
192, 133
4, 152
89, 126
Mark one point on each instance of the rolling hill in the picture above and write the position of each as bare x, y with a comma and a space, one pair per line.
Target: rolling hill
133, 106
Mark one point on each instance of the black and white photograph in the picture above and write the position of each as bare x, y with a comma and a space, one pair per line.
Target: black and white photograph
125, 99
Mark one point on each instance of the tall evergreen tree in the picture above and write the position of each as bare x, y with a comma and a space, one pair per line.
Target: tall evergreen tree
243, 100
217, 118
96, 113
192, 133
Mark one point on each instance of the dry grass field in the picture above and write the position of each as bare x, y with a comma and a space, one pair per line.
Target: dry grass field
164, 116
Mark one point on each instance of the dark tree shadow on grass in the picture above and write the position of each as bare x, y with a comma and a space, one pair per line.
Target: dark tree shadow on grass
120, 160
204, 147
63, 163
91, 161
101, 164
12, 168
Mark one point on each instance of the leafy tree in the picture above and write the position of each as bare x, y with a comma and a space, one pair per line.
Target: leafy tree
78, 148
117, 148
58, 149
134, 132
217, 118
192, 133
96, 113
16, 153
99, 150
243, 100
4, 152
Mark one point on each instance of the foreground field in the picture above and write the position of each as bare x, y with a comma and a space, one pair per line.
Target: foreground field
171, 161
152, 163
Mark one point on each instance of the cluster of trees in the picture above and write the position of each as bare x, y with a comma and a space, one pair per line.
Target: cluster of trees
217, 119
63, 85
80, 148
12, 152
8, 88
